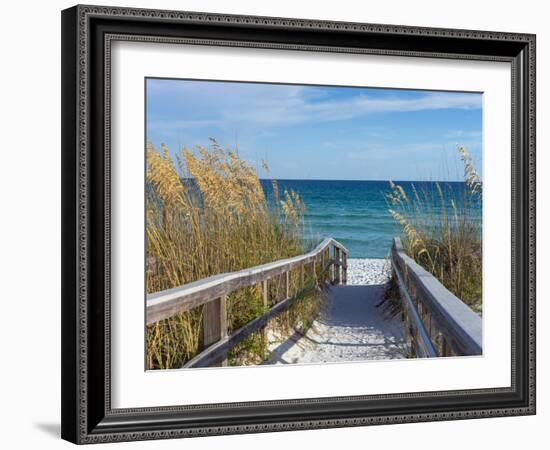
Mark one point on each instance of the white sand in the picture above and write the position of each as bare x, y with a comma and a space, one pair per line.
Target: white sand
368, 271
351, 327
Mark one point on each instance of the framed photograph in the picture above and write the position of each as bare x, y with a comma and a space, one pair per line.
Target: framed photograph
278, 224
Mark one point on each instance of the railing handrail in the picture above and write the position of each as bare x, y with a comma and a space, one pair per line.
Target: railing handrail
415, 326
460, 325
166, 303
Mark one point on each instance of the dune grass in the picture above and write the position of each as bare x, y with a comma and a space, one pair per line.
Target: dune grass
206, 214
441, 232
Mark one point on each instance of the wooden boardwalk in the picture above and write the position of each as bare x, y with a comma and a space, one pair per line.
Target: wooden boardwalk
351, 328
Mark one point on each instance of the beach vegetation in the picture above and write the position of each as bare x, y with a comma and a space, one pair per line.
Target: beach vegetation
441, 230
206, 214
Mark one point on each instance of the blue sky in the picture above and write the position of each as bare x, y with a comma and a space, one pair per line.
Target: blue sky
318, 132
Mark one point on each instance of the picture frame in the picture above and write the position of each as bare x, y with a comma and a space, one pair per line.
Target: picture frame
87, 35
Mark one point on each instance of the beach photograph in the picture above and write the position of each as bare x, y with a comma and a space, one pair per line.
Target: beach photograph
310, 224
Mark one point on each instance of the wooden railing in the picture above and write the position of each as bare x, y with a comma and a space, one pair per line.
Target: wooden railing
211, 293
437, 322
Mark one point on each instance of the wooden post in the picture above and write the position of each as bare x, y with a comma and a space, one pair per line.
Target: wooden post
313, 269
283, 287
337, 267
331, 267
428, 323
344, 268
277, 280
265, 300
439, 343
434, 333
331, 270
409, 335
287, 285
325, 260
214, 324
265, 295
414, 340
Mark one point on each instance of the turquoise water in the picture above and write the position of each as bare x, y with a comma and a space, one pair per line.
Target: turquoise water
355, 212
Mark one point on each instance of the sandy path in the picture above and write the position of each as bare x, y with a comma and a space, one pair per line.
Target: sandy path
351, 328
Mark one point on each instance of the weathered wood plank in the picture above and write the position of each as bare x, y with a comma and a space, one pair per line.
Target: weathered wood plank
169, 302
337, 266
214, 321
327, 264
461, 327
265, 293
218, 351
344, 268
424, 347
287, 284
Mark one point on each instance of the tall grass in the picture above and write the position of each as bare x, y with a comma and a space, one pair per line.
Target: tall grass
441, 232
206, 214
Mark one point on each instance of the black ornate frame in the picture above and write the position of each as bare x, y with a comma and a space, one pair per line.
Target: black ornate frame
87, 32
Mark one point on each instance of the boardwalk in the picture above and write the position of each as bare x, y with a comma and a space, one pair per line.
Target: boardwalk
351, 328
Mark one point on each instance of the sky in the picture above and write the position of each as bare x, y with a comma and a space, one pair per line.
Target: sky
321, 132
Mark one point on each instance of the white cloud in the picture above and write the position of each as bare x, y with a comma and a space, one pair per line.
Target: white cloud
297, 109
171, 125
462, 134
262, 105
388, 152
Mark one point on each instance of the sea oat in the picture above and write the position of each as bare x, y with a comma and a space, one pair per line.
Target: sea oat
209, 216
471, 177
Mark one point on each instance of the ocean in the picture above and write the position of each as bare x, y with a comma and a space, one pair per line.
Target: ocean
355, 213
